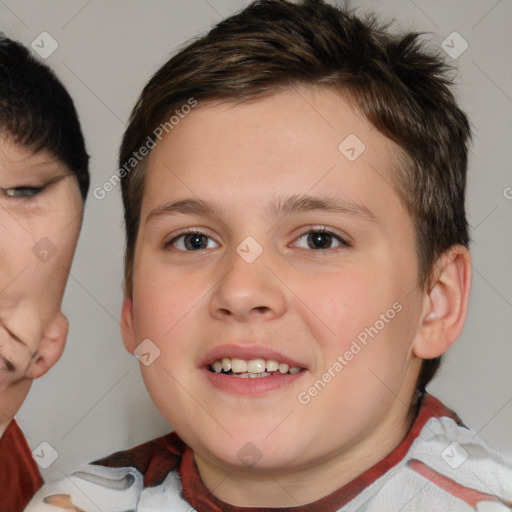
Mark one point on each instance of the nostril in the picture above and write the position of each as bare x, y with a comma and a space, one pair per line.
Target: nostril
257, 309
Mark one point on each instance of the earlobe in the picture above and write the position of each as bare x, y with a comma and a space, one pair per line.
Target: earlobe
50, 348
127, 327
445, 304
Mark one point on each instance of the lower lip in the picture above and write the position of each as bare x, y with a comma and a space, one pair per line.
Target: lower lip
252, 387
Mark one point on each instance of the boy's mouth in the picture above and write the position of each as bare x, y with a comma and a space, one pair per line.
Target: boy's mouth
248, 369
252, 368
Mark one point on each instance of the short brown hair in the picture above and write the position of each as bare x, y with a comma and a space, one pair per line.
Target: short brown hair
37, 112
396, 83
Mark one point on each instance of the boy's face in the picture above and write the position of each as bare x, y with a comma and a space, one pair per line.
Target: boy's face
40, 217
261, 239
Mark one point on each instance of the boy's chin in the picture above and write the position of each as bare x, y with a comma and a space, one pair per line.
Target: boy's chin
242, 454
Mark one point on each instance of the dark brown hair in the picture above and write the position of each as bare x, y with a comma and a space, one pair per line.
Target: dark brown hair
402, 88
36, 111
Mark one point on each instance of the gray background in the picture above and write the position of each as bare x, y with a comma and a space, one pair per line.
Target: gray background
94, 402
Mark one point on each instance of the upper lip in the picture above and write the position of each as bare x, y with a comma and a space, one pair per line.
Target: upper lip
248, 352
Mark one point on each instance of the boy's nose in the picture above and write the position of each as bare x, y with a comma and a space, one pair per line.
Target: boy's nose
248, 291
23, 321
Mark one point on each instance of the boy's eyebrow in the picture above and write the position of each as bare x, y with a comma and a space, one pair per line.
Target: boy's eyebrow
284, 206
332, 204
190, 206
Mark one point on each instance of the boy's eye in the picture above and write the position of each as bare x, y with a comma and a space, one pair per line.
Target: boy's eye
193, 242
23, 192
319, 239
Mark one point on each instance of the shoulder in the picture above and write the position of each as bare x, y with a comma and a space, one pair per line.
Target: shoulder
19, 473
440, 465
456, 458
114, 483
448, 445
153, 460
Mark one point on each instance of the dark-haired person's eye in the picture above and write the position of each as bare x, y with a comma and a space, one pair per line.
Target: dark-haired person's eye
192, 241
320, 239
22, 192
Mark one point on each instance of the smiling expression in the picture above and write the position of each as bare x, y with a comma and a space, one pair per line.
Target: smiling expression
263, 248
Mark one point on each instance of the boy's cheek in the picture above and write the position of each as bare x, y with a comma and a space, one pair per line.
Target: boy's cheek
338, 307
41, 262
162, 299
332, 310
369, 343
167, 327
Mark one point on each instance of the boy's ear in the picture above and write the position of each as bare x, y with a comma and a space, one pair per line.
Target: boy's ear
50, 348
445, 304
127, 328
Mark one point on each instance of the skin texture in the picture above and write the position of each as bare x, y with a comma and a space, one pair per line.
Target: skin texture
38, 235
307, 304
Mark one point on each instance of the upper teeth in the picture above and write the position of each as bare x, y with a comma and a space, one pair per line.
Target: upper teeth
251, 366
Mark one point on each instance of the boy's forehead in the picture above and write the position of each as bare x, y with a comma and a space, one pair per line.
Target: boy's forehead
294, 142
16, 158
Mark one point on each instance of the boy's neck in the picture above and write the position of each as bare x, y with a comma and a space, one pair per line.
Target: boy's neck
305, 485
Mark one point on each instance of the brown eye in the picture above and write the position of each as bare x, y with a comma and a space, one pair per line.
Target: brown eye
193, 242
320, 240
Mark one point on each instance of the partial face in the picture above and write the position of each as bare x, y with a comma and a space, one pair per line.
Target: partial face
40, 217
276, 273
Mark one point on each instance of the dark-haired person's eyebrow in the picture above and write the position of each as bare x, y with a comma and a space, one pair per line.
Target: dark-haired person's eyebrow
306, 203
280, 208
184, 206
